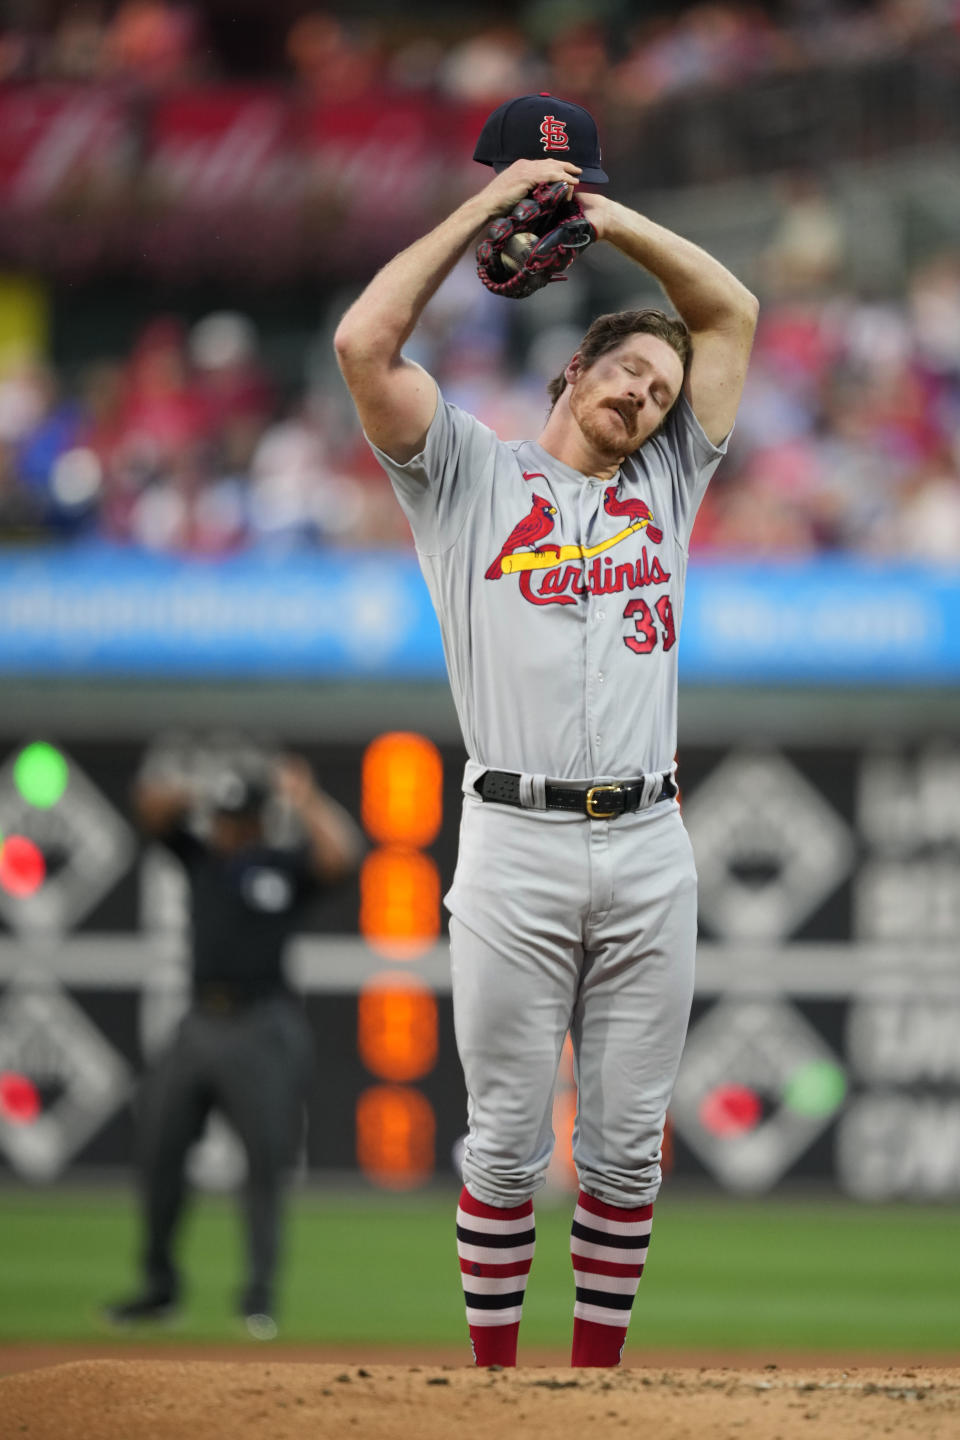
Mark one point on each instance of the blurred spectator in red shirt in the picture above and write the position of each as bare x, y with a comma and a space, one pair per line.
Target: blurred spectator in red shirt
332, 61
223, 349
154, 44
162, 409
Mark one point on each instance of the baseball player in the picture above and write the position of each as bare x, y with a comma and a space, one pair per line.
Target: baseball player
557, 567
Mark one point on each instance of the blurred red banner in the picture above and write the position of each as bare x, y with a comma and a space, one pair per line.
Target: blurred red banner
215, 147
220, 178
56, 140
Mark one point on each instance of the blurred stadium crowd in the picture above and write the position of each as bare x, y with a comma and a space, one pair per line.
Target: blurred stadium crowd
610, 51
848, 438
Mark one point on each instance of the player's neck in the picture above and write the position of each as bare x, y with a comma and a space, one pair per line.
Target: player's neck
562, 438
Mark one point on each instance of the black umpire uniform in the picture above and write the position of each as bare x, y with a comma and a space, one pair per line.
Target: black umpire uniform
244, 1047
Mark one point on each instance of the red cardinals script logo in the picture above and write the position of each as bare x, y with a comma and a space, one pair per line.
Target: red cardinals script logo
554, 134
555, 574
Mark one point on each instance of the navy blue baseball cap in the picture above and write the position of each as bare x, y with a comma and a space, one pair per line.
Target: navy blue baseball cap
541, 127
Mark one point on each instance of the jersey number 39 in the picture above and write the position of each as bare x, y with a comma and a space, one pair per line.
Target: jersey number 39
645, 626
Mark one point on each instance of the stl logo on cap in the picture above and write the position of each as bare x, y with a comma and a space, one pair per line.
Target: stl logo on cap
524, 129
554, 134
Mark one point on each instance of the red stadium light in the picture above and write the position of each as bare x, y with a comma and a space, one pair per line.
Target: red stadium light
19, 1099
22, 866
730, 1110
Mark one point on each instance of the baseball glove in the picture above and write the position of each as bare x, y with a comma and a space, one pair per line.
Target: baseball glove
539, 239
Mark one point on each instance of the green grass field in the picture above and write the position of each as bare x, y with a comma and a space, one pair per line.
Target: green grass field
722, 1274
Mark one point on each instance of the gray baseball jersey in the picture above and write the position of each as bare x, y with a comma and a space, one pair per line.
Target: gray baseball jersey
559, 596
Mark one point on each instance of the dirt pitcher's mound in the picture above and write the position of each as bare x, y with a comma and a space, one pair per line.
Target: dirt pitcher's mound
200, 1400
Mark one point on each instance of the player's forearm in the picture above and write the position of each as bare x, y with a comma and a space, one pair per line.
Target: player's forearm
703, 291
159, 807
336, 842
382, 319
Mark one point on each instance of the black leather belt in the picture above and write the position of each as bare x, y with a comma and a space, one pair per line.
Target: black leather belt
603, 801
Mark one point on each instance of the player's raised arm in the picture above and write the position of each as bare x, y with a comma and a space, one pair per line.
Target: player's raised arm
396, 398
720, 312
335, 840
160, 805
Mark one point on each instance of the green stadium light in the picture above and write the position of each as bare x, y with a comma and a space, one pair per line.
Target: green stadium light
41, 774
817, 1088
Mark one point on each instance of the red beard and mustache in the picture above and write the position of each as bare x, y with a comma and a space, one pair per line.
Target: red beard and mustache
628, 432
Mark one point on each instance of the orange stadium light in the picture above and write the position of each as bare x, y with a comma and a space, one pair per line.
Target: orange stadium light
397, 1029
561, 1172
402, 790
399, 902
396, 1132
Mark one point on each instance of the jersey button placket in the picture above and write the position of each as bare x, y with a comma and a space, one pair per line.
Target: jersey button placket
589, 504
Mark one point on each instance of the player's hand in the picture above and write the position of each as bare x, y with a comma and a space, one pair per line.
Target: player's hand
521, 177
597, 209
294, 780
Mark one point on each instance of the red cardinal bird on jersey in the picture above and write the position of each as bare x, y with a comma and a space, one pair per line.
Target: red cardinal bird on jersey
531, 528
634, 510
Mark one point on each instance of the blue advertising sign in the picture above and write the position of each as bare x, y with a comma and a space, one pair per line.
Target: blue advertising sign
330, 614
103, 612
839, 621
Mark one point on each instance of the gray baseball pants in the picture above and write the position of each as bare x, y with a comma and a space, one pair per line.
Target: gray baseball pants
562, 923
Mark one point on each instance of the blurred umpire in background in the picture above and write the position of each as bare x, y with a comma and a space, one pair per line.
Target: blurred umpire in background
244, 1046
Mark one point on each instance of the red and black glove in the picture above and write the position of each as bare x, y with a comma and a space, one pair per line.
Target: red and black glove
561, 230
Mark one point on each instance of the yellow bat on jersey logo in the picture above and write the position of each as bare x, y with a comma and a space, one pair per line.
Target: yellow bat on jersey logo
531, 560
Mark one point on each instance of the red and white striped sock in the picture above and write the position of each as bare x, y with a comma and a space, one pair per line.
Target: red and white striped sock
608, 1245
495, 1247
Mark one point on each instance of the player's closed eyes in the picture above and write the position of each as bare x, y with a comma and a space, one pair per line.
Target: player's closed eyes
660, 396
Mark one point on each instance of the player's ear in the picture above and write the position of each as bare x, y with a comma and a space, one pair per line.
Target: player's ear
574, 370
